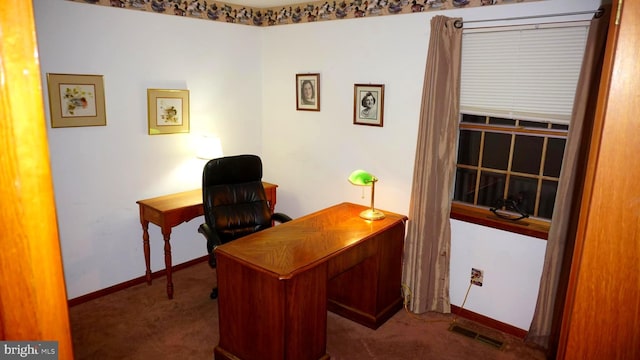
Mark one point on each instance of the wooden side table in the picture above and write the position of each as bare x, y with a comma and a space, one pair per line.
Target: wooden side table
171, 210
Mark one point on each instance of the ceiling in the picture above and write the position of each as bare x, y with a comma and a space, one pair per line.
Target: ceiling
266, 3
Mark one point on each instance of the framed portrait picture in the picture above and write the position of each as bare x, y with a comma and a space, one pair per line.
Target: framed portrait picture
368, 104
308, 92
168, 111
76, 100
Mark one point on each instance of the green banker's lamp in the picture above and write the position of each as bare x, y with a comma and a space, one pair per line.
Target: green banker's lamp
363, 178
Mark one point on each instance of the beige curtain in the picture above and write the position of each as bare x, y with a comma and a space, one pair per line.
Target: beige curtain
426, 267
562, 231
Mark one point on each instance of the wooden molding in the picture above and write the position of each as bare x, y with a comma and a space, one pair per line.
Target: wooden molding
127, 284
33, 302
489, 322
482, 216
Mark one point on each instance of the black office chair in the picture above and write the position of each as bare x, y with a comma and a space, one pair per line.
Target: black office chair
234, 202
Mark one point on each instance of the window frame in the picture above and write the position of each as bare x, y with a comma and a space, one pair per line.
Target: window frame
481, 215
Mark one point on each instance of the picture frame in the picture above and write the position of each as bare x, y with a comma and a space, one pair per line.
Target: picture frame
76, 100
368, 104
168, 111
308, 92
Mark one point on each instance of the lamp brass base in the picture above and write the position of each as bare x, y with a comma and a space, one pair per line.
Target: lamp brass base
372, 214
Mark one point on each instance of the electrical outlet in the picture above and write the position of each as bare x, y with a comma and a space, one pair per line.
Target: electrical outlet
477, 276
406, 295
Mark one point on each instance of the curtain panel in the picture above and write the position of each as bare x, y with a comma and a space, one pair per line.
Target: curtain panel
562, 231
428, 241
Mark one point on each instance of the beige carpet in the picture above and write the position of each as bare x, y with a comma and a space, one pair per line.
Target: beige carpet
141, 323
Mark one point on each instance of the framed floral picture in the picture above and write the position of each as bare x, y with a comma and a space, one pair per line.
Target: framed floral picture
168, 111
308, 92
76, 100
368, 104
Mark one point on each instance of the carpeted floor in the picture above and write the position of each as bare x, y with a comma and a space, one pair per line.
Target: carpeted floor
141, 323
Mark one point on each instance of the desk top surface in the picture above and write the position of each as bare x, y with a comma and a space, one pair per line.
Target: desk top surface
180, 200
174, 201
287, 248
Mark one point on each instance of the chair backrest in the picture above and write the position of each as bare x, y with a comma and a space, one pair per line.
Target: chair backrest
234, 200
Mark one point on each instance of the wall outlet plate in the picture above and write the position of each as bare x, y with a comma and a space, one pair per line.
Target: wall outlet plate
477, 276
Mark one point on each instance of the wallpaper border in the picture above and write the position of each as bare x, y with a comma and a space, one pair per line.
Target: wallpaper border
303, 12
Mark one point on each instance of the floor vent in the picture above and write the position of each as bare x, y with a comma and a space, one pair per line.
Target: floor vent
474, 335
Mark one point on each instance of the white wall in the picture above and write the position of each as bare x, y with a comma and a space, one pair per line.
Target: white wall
310, 154
100, 172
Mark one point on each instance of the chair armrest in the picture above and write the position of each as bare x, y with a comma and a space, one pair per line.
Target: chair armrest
280, 217
213, 241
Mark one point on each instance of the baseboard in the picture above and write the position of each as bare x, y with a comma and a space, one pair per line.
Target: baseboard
489, 322
140, 280
480, 319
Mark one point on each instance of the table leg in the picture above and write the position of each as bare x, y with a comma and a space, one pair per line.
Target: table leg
166, 233
147, 249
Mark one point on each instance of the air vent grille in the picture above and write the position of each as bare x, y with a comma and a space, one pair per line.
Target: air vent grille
475, 335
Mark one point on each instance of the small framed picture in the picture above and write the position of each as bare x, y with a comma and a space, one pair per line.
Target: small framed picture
168, 111
76, 100
308, 92
368, 104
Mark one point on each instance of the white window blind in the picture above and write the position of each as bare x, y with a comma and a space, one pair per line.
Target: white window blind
522, 72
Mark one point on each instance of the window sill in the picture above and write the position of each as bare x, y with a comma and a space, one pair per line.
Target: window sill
482, 216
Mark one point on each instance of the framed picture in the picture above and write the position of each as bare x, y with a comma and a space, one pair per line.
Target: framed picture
308, 92
168, 111
76, 100
368, 104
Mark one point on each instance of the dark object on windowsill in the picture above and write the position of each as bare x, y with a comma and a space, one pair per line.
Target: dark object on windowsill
509, 205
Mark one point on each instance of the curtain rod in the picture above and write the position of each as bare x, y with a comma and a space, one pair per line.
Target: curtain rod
598, 13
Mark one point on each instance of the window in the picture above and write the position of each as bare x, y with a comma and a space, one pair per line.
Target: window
504, 159
517, 90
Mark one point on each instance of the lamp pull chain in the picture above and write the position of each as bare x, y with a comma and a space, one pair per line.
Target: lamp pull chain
362, 197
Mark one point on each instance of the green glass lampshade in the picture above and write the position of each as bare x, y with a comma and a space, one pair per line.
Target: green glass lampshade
363, 178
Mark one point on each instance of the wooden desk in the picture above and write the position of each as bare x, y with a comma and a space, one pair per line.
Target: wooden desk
275, 286
172, 210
